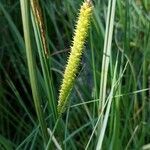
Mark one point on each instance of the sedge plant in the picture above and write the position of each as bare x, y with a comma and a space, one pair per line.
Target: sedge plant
79, 38
116, 65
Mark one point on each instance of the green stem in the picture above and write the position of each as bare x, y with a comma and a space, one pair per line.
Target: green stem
32, 67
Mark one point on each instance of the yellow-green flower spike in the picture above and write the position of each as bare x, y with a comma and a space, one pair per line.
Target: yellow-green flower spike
79, 38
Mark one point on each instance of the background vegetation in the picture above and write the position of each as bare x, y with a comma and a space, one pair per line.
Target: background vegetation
109, 106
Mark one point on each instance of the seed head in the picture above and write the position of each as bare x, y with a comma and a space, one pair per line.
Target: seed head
79, 38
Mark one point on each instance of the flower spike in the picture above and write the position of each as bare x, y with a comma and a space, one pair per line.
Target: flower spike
79, 38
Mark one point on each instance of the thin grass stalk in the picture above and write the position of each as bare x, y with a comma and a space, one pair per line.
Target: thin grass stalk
115, 140
43, 55
37, 11
144, 86
48, 146
32, 68
105, 120
105, 64
127, 33
94, 74
107, 51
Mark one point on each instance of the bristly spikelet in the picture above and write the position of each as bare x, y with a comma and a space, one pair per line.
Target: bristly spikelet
79, 38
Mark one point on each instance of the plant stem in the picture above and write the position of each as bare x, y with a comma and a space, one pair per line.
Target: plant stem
32, 67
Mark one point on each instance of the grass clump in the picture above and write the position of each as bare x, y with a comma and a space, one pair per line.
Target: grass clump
109, 107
